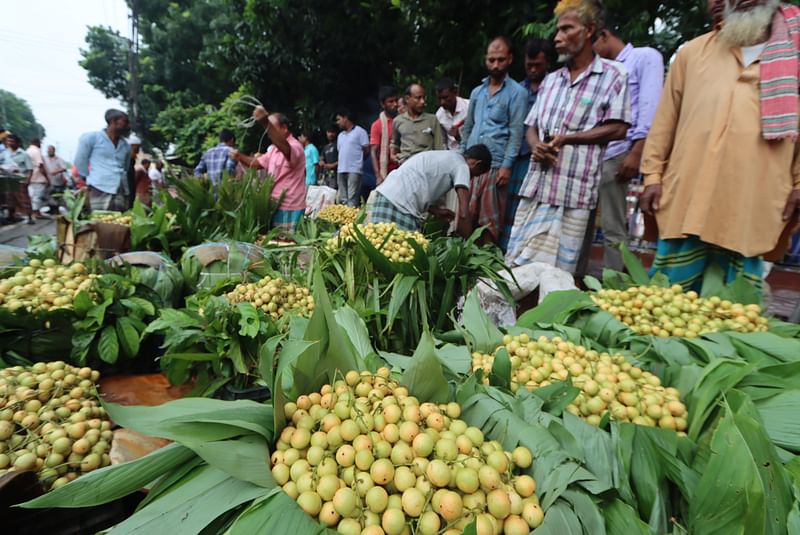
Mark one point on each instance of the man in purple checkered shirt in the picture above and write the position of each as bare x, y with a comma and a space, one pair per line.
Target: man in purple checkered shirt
217, 159
580, 108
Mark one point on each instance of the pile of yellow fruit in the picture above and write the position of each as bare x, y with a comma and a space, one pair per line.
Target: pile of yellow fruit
116, 218
608, 383
44, 285
51, 421
274, 296
391, 241
338, 214
673, 312
366, 458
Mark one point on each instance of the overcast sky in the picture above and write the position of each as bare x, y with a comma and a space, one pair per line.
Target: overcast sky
41, 41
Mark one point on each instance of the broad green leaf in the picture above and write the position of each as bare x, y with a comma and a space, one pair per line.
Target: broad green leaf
592, 283
501, 369
457, 358
713, 280
718, 377
556, 307
113, 482
355, 329
780, 416
560, 519
485, 335
191, 506
108, 345
401, 289
236, 357
423, 376
276, 513
586, 511
248, 320
634, 266
82, 302
245, 458
622, 519
557, 396
195, 420
743, 488
128, 337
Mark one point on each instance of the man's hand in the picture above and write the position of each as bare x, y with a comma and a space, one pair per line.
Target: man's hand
630, 166
455, 132
544, 153
651, 199
792, 209
234, 154
503, 176
441, 212
260, 113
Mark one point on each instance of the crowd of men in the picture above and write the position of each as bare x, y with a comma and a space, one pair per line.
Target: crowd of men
106, 163
532, 163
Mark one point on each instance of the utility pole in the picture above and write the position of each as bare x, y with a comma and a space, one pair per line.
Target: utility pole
133, 69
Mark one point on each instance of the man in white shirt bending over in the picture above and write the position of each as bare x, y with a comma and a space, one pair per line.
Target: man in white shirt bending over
416, 187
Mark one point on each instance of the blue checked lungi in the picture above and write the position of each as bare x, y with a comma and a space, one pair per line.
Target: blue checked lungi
384, 211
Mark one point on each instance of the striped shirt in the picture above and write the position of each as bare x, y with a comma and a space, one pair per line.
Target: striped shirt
598, 95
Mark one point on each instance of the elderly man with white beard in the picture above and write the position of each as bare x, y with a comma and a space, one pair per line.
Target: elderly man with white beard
721, 166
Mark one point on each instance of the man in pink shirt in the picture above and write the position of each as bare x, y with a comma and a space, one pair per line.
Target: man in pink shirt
285, 160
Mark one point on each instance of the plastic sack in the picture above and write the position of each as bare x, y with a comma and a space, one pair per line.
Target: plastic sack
159, 275
205, 266
529, 277
9, 253
317, 198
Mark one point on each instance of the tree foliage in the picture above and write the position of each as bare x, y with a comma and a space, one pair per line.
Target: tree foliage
16, 116
308, 57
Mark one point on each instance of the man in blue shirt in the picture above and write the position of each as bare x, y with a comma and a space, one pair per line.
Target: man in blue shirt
312, 158
496, 119
103, 159
353, 145
538, 58
216, 160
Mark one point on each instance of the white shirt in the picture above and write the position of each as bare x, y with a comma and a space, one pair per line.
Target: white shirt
447, 120
752, 53
155, 175
424, 179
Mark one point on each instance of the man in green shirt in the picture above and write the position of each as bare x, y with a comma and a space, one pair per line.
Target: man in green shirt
415, 131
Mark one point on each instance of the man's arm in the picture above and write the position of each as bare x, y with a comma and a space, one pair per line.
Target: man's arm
270, 124
651, 82
83, 155
373, 153
463, 221
438, 129
516, 127
201, 167
599, 135
394, 146
469, 122
660, 138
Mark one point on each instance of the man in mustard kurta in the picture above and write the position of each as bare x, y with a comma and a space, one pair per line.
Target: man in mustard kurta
721, 166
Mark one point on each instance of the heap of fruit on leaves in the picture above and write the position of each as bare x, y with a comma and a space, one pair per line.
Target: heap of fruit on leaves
274, 296
51, 421
44, 285
608, 383
391, 241
116, 218
365, 457
338, 214
673, 312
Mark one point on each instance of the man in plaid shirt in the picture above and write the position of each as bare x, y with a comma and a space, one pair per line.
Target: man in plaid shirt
580, 108
217, 159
